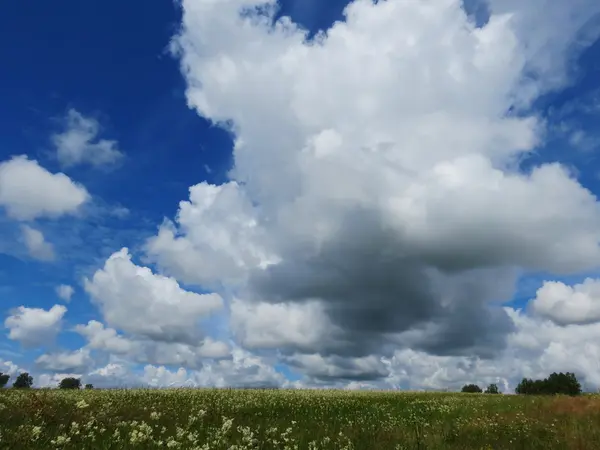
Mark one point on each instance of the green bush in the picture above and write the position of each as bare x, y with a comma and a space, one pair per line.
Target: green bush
471, 388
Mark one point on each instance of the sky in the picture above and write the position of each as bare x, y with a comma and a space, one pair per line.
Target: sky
360, 195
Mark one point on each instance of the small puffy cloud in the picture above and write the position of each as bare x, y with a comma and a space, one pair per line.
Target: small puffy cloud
79, 143
36, 244
35, 326
65, 292
28, 191
137, 301
563, 304
77, 361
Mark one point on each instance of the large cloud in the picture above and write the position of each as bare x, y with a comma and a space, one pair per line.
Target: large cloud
28, 191
35, 327
376, 179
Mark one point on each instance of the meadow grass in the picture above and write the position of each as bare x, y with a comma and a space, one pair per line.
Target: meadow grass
293, 419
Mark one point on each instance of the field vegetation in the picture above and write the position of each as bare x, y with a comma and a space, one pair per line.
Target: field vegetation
293, 419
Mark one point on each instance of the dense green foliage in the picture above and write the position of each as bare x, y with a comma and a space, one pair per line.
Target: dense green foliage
471, 388
492, 389
208, 419
556, 383
23, 381
4, 379
69, 383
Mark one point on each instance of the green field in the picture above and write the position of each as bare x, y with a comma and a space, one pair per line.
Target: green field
288, 419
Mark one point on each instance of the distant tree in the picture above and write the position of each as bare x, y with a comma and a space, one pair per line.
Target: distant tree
527, 386
563, 383
89, 386
23, 381
4, 379
492, 389
471, 388
70, 383
556, 383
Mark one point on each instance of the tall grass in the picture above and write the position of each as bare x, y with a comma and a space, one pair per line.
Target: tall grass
293, 419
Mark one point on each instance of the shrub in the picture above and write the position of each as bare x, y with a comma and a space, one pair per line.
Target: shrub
4, 379
69, 383
89, 386
471, 388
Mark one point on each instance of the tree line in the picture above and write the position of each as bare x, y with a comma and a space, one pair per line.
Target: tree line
556, 383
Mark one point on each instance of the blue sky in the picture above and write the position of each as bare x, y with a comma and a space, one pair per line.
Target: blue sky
110, 62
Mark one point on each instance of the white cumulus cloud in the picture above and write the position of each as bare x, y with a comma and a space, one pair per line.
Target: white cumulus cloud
79, 143
28, 191
376, 183
35, 326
